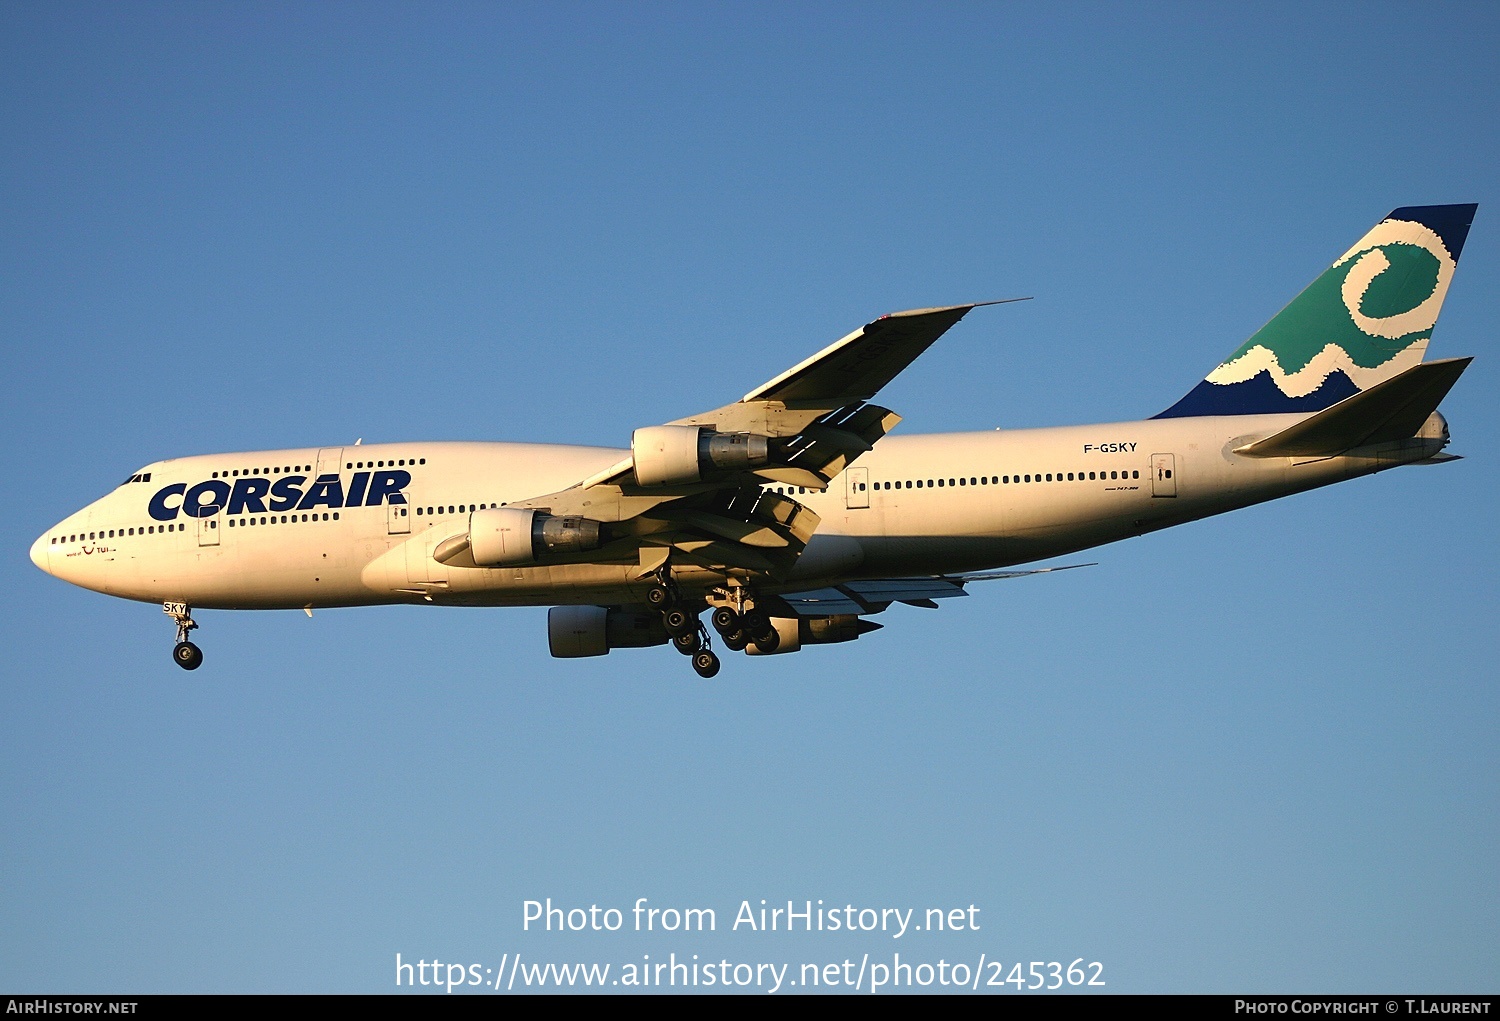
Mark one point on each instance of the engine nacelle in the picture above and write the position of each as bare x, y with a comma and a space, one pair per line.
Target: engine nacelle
669, 455
796, 632
515, 536
575, 631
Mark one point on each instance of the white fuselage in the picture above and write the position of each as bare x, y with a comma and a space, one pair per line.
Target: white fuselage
285, 536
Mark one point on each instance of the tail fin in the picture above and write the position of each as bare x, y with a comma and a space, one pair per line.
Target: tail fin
1365, 320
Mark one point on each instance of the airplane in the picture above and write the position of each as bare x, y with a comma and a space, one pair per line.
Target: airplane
788, 516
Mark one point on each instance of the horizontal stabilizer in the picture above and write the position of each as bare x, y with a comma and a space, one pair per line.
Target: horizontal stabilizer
1442, 458
1387, 412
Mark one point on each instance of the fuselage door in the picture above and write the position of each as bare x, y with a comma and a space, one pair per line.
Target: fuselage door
1163, 475
208, 528
330, 461
397, 519
857, 488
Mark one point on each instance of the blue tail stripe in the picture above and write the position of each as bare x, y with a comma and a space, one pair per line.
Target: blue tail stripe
1258, 395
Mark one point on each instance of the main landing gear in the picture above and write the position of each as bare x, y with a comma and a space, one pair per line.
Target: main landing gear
688, 634
185, 654
739, 625
740, 629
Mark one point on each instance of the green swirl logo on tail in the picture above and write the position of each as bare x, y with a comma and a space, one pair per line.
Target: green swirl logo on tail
1367, 318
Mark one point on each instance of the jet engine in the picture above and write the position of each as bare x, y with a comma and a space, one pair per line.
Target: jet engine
667, 455
515, 536
796, 632
574, 631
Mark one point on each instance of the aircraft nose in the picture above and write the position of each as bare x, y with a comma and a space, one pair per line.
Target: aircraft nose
39, 554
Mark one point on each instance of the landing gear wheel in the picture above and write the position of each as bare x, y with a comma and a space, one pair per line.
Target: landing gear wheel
688, 643
768, 642
187, 655
706, 663
725, 620
678, 621
658, 597
736, 641
756, 622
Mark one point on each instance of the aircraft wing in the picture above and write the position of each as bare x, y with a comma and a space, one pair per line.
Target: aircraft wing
855, 367
875, 595
693, 489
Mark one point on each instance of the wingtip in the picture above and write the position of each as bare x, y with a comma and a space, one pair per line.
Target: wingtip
961, 309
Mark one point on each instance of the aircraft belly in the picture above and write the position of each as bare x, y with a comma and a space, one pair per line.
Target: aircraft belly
566, 584
894, 555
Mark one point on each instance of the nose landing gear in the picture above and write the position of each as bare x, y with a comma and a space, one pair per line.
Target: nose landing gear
185, 654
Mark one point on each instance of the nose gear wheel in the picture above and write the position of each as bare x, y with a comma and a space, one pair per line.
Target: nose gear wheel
185, 654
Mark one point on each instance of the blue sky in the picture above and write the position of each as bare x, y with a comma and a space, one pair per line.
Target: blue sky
1250, 754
